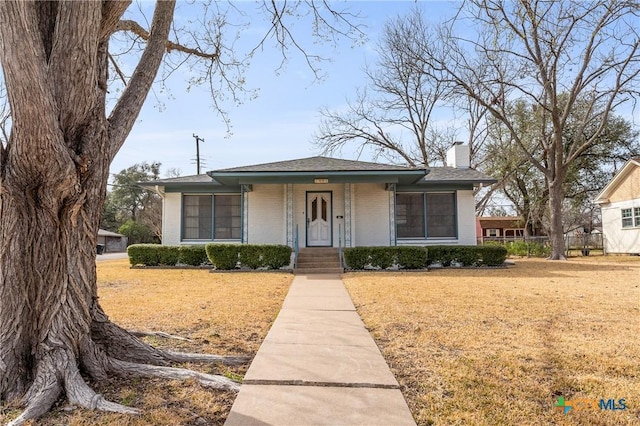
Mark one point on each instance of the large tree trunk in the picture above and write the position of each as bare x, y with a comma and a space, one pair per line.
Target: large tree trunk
556, 234
53, 176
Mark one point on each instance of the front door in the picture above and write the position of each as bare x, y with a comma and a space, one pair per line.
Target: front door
319, 219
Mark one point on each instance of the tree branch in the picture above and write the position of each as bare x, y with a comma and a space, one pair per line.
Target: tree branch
134, 27
118, 70
130, 103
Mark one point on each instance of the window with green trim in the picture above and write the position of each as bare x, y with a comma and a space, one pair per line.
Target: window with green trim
211, 217
426, 215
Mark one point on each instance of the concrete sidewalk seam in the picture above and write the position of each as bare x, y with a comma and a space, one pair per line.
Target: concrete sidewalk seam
264, 382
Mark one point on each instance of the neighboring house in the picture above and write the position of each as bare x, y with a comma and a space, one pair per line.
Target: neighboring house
111, 242
324, 202
500, 228
620, 205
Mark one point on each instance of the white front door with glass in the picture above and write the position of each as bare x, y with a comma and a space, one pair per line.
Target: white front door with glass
318, 219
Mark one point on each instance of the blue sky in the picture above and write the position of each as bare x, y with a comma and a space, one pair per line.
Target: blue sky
279, 123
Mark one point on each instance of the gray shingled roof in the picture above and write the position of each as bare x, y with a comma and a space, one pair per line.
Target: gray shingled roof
182, 179
453, 175
326, 164
314, 164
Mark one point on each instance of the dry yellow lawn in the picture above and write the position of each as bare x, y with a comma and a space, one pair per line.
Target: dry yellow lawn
497, 347
228, 314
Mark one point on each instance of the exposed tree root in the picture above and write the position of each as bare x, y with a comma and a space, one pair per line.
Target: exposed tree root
39, 402
144, 370
120, 344
99, 357
80, 394
162, 334
207, 358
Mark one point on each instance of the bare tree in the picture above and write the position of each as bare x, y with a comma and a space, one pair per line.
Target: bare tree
393, 116
549, 53
53, 174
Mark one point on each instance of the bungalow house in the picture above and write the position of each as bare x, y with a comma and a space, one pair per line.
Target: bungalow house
324, 202
500, 228
619, 202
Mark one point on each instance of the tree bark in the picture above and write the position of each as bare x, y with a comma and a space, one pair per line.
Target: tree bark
53, 176
556, 199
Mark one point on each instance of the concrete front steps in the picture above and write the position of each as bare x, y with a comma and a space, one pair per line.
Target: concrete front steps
318, 260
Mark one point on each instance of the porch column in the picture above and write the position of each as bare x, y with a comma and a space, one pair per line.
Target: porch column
347, 214
391, 188
289, 213
245, 213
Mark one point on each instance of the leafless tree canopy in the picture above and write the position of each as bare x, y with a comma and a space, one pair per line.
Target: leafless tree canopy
395, 115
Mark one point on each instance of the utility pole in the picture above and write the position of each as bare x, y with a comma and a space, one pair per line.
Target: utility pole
198, 140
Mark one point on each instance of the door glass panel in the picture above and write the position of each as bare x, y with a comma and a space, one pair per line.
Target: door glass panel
314, 209
324, 209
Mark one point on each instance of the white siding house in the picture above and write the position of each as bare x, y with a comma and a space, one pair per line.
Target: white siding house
324, 202
620, 205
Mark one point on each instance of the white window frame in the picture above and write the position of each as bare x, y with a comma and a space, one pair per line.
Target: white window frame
630, 217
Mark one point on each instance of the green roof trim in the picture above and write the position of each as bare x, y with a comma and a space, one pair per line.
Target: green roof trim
323, 170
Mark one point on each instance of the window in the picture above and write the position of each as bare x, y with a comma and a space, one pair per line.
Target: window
197, 218
426, 215
631, 217
227, 217
441, 215
208, 217
410, 215
492, 232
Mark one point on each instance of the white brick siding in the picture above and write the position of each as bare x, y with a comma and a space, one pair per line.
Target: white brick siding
466, 204
171, 218
267, 218
370, 215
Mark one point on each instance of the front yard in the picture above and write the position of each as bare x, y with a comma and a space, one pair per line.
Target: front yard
498, 347
469, 347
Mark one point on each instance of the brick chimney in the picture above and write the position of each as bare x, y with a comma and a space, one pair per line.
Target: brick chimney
458, 156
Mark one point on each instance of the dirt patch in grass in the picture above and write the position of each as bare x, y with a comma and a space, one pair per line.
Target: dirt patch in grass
226, 314
488, 347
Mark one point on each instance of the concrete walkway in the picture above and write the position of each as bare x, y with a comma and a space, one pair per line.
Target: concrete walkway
319, 366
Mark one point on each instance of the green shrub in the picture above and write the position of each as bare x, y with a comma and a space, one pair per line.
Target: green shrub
517, 248
382, 257
357, 257
411, 257
275, 256
467, 255
168, 255
489, 255
193, 255
142, 254
539, 249
443, 254
153, 254
493, 255
385, 257
250, 255
223, 256
525, 248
